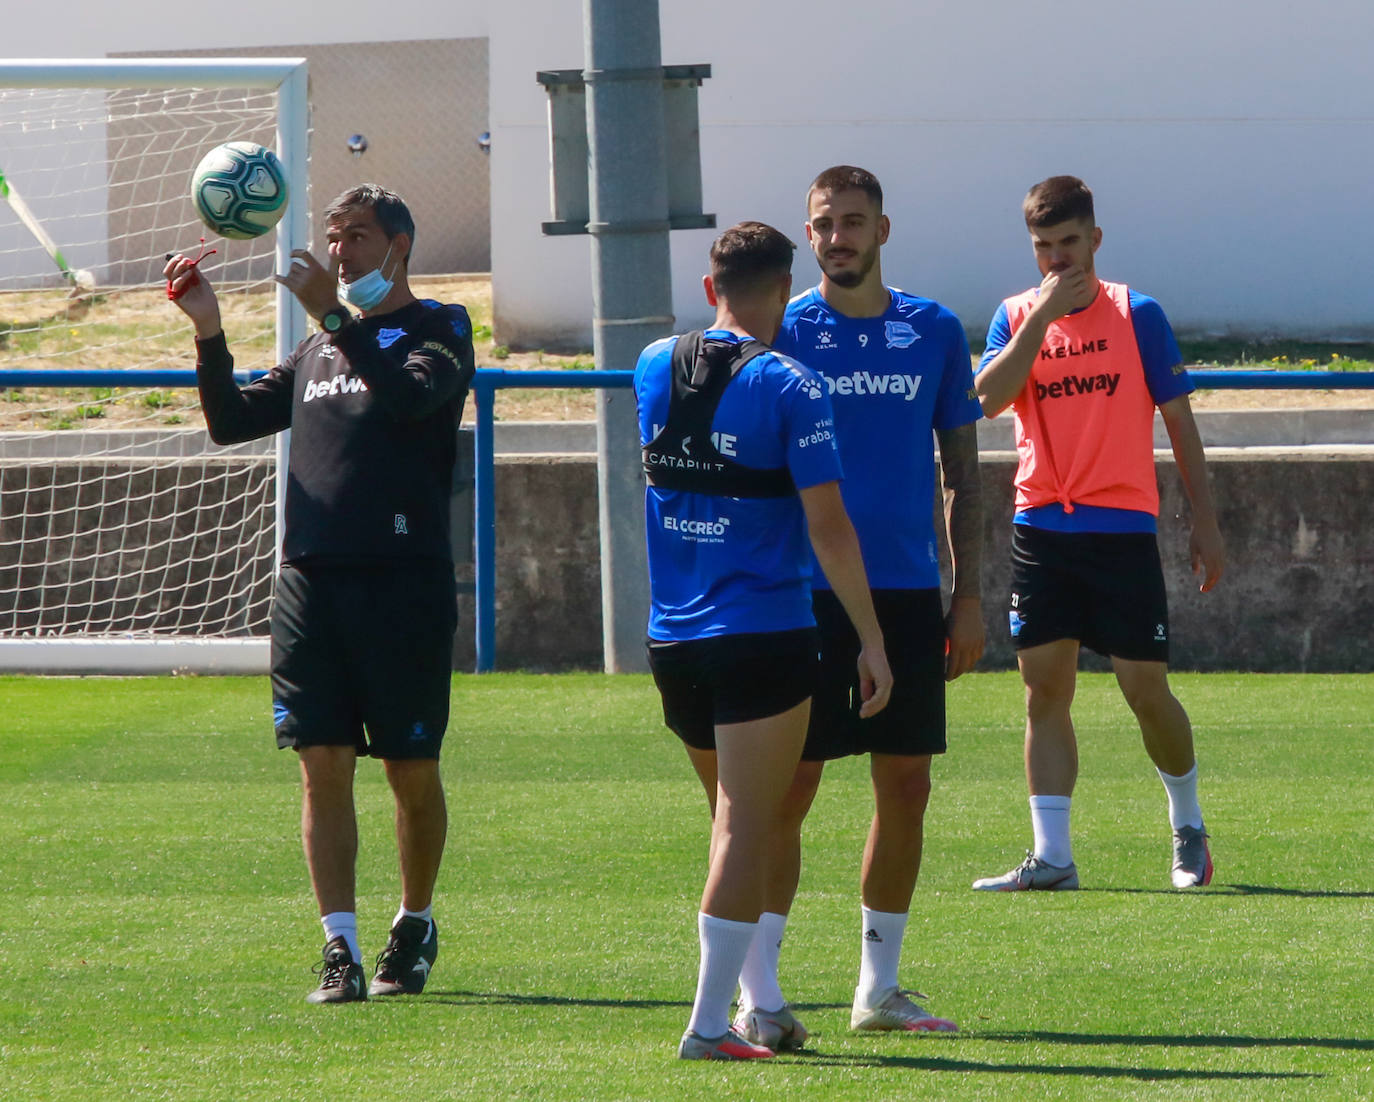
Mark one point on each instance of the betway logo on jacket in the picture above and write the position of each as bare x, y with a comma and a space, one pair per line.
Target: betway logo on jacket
328, 388
862, 382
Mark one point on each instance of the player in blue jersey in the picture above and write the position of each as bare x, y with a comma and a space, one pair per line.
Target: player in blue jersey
739, 454
897, 369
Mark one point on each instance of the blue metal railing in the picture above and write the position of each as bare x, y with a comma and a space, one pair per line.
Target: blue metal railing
484, 387
489, 380
1225, 378
110, 378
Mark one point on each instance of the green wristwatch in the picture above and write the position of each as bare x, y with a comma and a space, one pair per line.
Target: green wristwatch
335, 319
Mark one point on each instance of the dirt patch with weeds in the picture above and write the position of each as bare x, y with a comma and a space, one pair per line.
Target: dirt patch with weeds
138, 327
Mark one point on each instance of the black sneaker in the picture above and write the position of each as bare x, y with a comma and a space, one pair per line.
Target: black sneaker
403, 966
341, 977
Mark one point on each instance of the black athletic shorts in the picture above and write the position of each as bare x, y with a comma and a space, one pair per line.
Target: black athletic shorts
362, 656
1104, 589
913, 723
706, 683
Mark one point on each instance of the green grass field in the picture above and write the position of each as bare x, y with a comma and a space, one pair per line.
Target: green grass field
157, 931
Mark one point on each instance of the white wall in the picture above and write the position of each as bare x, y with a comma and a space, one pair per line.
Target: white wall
1230, 146
95, 28
1230, 143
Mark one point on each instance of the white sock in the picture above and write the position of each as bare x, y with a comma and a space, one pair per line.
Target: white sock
881, 952
1050, 823
758, 979
724, 944
343, 924
427, 914
1184, 809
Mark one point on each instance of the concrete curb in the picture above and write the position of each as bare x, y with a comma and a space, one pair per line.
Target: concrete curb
1219, 428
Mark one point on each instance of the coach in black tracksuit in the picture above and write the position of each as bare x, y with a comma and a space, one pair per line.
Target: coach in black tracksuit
364, 616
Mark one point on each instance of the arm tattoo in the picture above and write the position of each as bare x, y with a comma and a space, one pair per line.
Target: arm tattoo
963, 498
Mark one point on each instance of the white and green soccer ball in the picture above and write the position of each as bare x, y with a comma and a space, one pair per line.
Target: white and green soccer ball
239, 189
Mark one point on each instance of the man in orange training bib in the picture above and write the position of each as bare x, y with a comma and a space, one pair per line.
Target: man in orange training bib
1083, 364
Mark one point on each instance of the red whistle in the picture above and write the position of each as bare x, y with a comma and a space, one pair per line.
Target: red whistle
195, 276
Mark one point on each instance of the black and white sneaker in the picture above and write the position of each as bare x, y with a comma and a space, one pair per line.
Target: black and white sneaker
341, 977
1032, 875
403, 966
1192, 859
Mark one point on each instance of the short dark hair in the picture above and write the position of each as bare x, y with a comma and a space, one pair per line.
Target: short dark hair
389, 208
746, 257
847, 178
1058, 199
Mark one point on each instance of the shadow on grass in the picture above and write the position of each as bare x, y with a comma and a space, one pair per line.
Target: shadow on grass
1239, 889
505, 998
1089, 1071
945, 1063
1296, 893
1178, 1040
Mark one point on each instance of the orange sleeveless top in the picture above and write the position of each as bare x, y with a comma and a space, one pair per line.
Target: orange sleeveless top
1085, 419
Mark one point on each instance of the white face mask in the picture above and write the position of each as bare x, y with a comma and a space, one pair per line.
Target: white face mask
369, 290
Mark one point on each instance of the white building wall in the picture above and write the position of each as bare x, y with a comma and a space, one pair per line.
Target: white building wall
1230, 143
1230, 146
95, 28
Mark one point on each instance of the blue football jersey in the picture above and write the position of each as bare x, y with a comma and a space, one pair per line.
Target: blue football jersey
726, 565
893, 380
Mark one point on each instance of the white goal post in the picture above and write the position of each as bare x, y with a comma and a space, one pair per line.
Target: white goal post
127, 545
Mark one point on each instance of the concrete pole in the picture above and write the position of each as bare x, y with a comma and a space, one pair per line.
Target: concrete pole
631, 289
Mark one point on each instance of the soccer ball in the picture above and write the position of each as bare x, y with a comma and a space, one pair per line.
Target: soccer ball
239, 189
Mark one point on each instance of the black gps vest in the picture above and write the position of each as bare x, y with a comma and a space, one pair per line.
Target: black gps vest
682, 456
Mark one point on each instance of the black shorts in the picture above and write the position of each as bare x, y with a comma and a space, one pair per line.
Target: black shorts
1104, 589
913, 723
362, 656
706, 683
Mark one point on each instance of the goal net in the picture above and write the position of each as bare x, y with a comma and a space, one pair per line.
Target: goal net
129, 542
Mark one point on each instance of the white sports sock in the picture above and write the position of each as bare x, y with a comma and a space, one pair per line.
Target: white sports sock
343, 924
1050, 823
427, 914
1184, 809
724, 944
758, 979
880, 954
